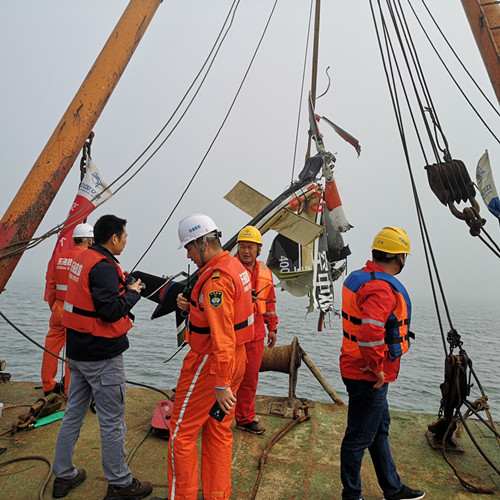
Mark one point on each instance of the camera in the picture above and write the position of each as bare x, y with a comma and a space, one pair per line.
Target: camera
130, 280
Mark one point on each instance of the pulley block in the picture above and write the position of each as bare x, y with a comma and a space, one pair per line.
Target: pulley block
451, 183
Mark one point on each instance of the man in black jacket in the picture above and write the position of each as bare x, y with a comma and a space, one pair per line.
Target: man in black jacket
97, 317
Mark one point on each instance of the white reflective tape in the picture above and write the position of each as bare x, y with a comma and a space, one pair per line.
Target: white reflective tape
181, 415
371, 344
63, 288
68, 307
372, 322
250, 320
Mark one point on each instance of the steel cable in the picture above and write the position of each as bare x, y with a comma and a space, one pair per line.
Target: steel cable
28, 244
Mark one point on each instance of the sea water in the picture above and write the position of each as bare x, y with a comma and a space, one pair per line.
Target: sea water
152, 342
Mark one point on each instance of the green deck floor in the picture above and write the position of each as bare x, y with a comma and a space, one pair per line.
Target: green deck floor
304, 464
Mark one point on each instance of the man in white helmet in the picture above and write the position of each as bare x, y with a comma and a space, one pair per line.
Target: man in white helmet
220, 322
57, 285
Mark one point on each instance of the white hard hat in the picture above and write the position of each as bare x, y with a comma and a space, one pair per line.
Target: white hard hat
195, 226
83, 230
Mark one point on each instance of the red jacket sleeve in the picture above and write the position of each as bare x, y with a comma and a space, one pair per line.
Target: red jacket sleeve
376, 301
270, 316
221, 321
51, 287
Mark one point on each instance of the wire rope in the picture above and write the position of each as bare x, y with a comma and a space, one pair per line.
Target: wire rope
391, 83
306, 52
433, 114
493, 107
28, 244
453, 337
213, 140
7, 320
43, 459
453, 78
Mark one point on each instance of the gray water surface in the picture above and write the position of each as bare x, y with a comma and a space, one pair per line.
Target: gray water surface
152, 342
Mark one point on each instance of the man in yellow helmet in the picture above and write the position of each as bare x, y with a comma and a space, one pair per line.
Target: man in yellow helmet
376, 312
264, 311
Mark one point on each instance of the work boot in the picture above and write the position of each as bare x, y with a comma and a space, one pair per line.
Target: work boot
253, 427
63, 486
135, 489
406, 493
57, 389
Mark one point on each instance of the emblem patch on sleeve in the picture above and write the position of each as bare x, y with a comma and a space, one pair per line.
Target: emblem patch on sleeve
215, 299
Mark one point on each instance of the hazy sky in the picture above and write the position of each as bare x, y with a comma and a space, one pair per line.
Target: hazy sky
48, 47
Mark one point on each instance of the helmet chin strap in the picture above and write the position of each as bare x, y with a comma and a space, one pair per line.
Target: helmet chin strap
401, 262
213, 234
201, 250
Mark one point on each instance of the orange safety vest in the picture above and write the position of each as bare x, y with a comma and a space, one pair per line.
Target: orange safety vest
79, 311
397, 333
263, 288
61, 271
198, 330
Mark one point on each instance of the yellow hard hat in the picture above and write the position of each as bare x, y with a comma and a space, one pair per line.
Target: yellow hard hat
250, 233
392, 240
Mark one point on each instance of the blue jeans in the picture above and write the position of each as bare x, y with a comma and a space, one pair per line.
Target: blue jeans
368, 423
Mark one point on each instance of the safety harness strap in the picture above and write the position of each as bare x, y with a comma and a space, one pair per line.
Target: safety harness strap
82, 312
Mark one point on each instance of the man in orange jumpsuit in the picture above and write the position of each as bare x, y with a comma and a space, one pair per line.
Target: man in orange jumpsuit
83, 235
220, 322
264, 311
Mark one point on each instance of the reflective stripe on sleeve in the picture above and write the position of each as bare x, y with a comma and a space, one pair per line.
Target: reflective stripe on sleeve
371, 344
370, 321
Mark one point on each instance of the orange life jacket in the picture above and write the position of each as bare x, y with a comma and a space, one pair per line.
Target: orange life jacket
397, 333
263, 287
79, 311
198, 331
61, 270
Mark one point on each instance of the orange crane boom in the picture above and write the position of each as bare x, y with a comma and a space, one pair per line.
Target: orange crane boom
484, 20
33, 199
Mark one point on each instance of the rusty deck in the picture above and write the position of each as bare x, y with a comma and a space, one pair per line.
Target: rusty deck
304, 464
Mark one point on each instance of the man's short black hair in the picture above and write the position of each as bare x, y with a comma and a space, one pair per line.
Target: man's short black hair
381, 256
106, 226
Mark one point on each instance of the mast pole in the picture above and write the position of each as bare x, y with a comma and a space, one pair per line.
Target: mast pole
34, 197
484, 20
314, 72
